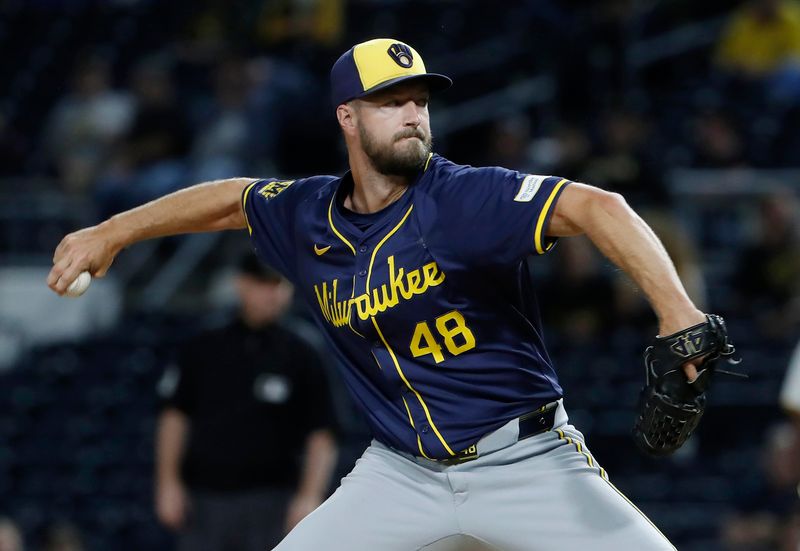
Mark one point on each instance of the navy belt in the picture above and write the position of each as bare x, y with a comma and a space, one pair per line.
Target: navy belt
537, 421
530, 424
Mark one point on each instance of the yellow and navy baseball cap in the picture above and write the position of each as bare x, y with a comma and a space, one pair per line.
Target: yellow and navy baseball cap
378, 64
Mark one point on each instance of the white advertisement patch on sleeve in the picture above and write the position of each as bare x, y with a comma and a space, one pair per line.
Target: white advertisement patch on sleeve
530, 185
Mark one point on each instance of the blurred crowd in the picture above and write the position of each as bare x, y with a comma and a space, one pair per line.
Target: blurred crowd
210, 91
116, 103
60, 536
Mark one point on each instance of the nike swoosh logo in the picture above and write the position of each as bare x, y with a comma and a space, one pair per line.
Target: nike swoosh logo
321, 251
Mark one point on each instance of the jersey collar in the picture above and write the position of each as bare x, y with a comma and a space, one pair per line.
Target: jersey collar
341, 225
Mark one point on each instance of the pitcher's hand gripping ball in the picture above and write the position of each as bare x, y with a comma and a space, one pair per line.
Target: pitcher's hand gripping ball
79, 286
670, 407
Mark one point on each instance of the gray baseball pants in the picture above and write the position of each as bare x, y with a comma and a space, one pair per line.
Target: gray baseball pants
542, 493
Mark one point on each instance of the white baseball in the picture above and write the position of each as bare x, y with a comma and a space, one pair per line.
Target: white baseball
79, 286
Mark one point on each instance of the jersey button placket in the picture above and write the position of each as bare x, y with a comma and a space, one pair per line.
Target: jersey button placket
362, 260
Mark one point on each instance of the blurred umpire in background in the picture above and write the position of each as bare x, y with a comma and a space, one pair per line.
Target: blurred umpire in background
244, 444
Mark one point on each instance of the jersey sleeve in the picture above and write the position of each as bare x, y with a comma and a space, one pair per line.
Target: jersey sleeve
502, 215
269, 207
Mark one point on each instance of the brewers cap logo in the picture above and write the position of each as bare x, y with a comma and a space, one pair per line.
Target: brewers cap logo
401, 54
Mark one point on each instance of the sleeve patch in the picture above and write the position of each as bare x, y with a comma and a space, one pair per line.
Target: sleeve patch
272, 189
527, 190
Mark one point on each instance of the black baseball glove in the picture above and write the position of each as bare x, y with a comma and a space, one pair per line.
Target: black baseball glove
670, 406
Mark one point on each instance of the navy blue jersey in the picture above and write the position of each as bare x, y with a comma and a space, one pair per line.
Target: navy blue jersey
429, 309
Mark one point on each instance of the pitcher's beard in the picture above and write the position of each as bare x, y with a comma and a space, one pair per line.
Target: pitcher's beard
402, 157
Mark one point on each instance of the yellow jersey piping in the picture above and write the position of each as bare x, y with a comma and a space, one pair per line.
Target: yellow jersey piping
382, 241
350, 319
408, 411
537, 236
338, 234
411, 388
428, 161
386, 344
374, 357
411, 420
244, 205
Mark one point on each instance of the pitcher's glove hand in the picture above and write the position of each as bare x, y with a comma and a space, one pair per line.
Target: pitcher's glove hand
670, 407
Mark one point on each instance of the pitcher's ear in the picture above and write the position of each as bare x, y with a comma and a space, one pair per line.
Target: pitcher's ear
344, 113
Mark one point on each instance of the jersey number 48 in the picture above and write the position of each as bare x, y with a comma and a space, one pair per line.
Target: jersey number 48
454, 332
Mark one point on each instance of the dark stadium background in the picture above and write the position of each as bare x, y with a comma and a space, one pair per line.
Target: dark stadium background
626, 95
